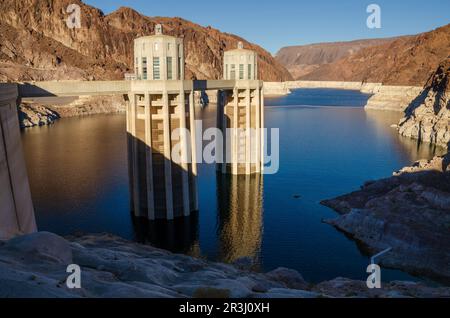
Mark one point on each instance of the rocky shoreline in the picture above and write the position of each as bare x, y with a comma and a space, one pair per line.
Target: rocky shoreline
409, 212
35, 266
35, 113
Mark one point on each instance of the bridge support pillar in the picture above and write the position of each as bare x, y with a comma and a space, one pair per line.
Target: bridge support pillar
16, 206
162, 153
241, 120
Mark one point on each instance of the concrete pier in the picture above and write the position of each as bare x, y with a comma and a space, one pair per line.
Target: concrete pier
241, 120
16, 207
162, 187
241, 114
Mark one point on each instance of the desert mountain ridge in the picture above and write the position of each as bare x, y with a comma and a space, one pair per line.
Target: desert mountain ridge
303, 59
37, 44
409, 60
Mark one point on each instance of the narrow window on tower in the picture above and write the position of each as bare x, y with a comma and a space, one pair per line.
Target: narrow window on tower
156, 70
169, 68
233, 72
250, 77
180, 66
241, 71
144, 68
136, 66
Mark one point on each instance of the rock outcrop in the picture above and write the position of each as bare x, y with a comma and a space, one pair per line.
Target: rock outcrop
409, 212
35, 266
428, 117
407, 61
33, 114
393, 98
37, 44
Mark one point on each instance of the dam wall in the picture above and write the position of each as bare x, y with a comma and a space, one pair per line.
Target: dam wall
384, 97
16, 207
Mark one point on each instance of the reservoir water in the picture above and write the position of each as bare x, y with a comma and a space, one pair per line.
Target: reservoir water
329, 145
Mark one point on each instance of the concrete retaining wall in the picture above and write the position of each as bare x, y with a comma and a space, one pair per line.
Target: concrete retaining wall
16, 207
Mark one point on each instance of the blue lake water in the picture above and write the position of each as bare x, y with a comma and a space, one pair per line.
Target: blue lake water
329, 145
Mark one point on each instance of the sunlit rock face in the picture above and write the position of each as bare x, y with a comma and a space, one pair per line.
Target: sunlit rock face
428, 119
406, 61
37, 44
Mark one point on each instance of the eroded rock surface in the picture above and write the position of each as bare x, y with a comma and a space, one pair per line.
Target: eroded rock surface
428, 118
35, 266
409, 212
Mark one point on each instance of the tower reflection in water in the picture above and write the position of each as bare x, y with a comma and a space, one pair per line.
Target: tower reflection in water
240, 218
178, 236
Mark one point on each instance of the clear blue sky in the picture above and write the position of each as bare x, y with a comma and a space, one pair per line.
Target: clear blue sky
277, 23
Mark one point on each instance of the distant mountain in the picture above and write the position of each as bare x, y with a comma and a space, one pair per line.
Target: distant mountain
304, 59
36, 44
404, 61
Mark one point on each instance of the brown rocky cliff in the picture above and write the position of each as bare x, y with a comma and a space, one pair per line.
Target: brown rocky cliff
409, 61
37, 44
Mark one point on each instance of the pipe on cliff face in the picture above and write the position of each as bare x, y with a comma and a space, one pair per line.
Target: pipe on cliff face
16, 207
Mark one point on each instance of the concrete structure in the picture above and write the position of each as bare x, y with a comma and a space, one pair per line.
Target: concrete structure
159, 57
161, 187
160, 102
240, 64
241, 114
16, 207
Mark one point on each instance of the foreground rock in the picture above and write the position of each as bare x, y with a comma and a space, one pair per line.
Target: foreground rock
428, 118
409, 213
35, 266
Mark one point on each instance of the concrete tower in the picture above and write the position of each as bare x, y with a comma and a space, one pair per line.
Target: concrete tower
240, 64
241, 114
159, 57
161, 187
